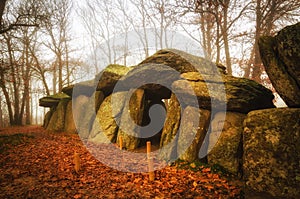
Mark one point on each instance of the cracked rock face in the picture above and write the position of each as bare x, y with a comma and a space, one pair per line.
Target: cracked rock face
281, 57
238, 94
271, 152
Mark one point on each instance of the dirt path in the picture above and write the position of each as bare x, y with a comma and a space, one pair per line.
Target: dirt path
37, 164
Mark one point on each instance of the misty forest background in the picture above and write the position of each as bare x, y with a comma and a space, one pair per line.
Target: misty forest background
46, 45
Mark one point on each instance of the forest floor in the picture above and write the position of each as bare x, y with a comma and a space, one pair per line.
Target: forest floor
38, 164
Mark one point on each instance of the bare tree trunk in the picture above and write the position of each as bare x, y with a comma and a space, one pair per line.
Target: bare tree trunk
9, 104
16, 117
247, 73
218, 47
1, 113
28, 107
67, 63
60, 74
256, 64
54, 77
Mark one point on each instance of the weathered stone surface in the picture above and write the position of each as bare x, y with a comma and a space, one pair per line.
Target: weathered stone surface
107, 79
105, 128
57, 121
281, 58
47, 118
52, 100
132, 119
271, 157
239, 94
78, 104
99, 98
70, 126
86, 116
83, 88
183, 62
193, 128
288, 47
225, 141
170, 131
155, 79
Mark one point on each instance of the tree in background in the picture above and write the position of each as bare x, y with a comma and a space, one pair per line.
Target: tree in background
57, 29
15, 72
270, 16
24, 38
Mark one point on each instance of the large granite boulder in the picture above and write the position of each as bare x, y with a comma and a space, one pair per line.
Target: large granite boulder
78, 105
183, 62
57, 121
52, 100
239, 94
70, 126
48, 117
83, 88
193, 128
281, 57
225, 141
155, 79
169, 136
272, 152
85, 116
105, 127
106, 80
131, 119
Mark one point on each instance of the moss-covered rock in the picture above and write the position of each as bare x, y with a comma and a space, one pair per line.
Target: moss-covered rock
225, 142
52, 100
193, 128
155, 79
271, 147
107, 79
57, 121
183, 62
132, 119
70, 126
170, 131
99, 98
86, 88
281, 57
239, 94
47, 117
105, 127
288, 48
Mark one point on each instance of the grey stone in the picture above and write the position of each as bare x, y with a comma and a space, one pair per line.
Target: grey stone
193, 128
225, 141
239, 94
271, 147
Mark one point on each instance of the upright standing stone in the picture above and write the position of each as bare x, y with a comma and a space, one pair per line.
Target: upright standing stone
86, 117
132, 119
225, 141
105, 126
70, 126
57, 121
168, 141
193, 128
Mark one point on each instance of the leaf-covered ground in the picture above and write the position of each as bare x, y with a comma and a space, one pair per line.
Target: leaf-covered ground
37, 164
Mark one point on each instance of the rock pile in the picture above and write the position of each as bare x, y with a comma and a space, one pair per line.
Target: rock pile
199, 111
120, 99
